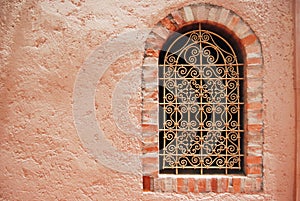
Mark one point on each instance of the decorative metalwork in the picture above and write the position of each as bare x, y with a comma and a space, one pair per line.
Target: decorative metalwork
201, 105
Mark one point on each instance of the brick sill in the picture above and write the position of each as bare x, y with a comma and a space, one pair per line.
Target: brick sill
203, 183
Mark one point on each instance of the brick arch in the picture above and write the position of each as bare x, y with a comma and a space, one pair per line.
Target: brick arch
252, 181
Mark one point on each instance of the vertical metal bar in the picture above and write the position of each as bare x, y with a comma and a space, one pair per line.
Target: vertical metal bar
201, 99
176, 120
226, 120
239, 118
164, 119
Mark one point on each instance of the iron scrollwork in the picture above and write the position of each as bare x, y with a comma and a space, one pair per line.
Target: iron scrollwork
201, 104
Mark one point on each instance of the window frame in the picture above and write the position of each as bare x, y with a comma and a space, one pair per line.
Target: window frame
252, 180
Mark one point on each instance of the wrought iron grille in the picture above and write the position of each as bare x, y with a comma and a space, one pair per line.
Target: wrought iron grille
201, 104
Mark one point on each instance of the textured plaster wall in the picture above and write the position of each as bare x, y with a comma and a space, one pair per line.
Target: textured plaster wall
46, 44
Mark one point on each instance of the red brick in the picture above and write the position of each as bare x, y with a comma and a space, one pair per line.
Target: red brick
178, 17
254, 106
242, 29
188, 14
200, 12
234, 21
252, 61
224, 185
150, 117
214, 185
259, 184
149, 128
154, 174
180, 185
254, 72
150, 105
236, 182
162, 184
158, 185
249, 185
254, 127
150, 149
254, 96
254, 160
152, 53
202, 185
255, 84
168, 185
213, 14
255, 139
223, 16
254, 117
153, 95
166, 22
150, 160
254, 170
191, 184
254, 150
148, 79
250, 39
146, 183
148, 139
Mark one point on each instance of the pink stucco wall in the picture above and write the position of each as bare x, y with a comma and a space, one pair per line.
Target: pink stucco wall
46, 46
297, 89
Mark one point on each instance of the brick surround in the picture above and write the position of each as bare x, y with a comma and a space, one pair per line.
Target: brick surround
252, 181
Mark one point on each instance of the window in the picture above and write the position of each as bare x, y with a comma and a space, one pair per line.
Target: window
201, 102
208, 39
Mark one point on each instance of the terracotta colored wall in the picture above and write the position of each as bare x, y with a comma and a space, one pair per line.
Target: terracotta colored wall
50, 143
297, 89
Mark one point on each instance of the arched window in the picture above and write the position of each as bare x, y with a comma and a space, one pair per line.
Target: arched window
201, 102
